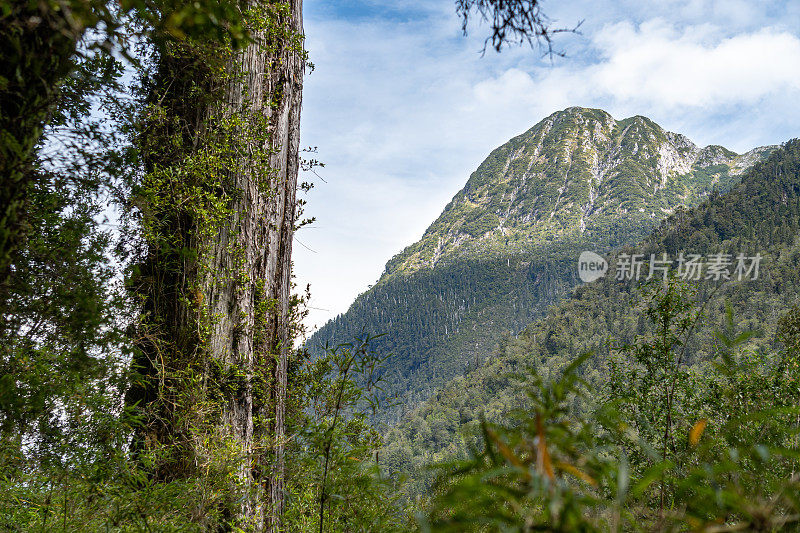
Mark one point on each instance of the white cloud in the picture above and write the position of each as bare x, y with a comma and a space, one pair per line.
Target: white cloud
656, 65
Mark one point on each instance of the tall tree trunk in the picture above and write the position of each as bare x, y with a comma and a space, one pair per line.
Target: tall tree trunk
272, 85
223, 308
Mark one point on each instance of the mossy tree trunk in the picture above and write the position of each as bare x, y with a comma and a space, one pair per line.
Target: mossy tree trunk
252, 331
220, 142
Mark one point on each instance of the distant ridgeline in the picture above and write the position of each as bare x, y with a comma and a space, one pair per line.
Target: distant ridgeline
505, 248
759, 215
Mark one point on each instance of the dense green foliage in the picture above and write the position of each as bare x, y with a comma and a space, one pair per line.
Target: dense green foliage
62, 351
46, 46
429, 318
761, 214
715, 451
335, 481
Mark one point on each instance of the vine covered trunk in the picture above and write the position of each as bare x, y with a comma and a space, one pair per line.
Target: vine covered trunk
220, 142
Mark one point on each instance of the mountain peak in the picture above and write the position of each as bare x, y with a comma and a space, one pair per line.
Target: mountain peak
586, 112
577, 174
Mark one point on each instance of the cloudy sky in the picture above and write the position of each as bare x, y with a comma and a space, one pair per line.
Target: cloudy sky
402, 106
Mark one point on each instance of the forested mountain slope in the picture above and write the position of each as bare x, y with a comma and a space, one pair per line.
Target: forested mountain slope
759, 215
504, 249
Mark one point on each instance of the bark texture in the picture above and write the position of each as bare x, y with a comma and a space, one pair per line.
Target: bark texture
262, 225
236, 316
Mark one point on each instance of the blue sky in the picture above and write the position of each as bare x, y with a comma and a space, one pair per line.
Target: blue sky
403, 108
